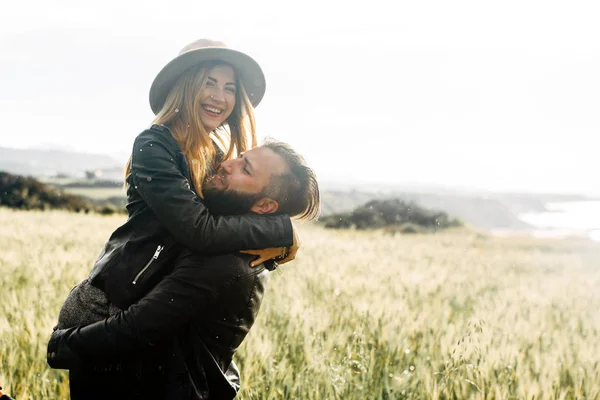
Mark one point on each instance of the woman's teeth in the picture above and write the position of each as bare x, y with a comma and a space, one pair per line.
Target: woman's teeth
212, 109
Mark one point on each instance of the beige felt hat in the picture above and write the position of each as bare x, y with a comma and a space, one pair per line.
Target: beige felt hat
202, 50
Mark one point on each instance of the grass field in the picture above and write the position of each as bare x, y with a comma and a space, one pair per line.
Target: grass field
357, 316
96, 193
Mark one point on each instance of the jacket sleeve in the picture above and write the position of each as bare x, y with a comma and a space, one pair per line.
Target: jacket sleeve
173, 302
167, 192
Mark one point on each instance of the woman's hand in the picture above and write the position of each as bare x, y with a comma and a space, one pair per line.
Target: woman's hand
293, 249
281, 254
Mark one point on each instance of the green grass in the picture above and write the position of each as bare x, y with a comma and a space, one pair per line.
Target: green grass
358, 315
96, 193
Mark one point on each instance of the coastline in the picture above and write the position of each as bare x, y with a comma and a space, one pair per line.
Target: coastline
576, 219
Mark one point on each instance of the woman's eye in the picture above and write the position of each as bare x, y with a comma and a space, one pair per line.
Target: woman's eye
230, 89
246, 171
210, 84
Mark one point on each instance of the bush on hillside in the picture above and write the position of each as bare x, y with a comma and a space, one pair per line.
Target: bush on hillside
391, 213
93, 183
27, 193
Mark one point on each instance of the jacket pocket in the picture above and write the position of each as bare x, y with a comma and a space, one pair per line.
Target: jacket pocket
159, 249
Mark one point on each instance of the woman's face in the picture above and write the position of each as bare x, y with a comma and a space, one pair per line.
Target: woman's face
218, 96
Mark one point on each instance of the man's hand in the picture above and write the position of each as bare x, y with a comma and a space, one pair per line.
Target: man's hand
60, 355
280, 254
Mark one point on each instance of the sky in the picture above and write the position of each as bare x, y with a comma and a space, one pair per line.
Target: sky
500, 96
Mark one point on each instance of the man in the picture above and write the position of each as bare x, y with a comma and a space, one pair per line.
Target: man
178, 341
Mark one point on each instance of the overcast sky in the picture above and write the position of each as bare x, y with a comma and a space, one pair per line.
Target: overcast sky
501, 95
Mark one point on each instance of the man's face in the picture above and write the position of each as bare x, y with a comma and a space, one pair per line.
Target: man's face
239, 184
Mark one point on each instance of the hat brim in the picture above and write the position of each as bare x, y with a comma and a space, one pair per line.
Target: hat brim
247, 69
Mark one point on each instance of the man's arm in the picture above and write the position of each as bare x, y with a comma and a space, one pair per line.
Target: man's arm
178, 297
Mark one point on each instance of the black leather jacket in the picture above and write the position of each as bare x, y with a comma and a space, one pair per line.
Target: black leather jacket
177, 342
166, 215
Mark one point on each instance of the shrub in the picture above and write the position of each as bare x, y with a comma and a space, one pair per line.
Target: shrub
107, 210
392, 213
27, 193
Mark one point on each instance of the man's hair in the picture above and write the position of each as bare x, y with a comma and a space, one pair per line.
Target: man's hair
296, 190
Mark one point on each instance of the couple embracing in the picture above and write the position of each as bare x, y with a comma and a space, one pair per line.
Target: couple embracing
178, 286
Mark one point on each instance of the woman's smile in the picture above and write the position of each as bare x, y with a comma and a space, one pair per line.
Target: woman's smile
212, 111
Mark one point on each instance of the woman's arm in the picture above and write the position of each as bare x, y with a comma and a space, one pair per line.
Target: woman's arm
167, 192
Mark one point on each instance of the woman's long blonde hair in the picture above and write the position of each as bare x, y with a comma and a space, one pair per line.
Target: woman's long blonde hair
181, 114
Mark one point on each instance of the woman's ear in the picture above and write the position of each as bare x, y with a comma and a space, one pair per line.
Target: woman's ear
266, 205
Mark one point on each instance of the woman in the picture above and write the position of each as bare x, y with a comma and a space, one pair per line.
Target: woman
207, 88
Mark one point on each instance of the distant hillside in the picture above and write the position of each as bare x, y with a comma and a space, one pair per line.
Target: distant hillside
485, 212
27, 193
479, 209
37, 163
394, 215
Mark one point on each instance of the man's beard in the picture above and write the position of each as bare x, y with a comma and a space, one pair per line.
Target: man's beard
229, 202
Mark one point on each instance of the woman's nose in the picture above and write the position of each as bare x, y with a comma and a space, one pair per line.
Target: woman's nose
217, 95
227, 166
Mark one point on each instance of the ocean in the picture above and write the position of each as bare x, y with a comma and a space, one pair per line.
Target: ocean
567, 218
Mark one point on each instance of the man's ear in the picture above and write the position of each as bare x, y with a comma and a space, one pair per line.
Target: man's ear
266, 205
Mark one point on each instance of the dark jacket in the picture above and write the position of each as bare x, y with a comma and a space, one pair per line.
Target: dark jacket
166, 215
186, 330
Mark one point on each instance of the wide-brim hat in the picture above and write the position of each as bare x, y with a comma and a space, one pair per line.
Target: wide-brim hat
246, 68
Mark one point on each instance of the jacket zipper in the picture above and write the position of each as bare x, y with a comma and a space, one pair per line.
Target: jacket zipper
154, 257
